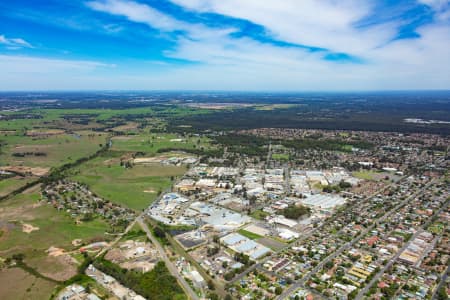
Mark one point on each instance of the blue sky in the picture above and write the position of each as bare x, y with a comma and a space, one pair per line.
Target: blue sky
277, 45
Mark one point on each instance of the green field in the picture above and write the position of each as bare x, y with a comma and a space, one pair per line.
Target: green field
54, 118
259, 214
9, 185
347, 148
56, 228
52, 228
250, 235
58, 149
151, 143
366, 175
280, 156
135, 188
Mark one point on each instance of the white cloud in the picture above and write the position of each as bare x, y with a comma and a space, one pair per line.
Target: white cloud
137, 12
27, 65
435, 4
326, 24
441, 8
243, 63
38, 73
145, 14
14, 43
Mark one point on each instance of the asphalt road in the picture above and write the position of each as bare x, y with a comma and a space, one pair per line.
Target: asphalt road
441, 283
287, 184
394, 259
106, 249
172, 269
346, 246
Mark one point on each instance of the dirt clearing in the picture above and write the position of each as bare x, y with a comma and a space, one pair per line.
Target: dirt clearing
28, 228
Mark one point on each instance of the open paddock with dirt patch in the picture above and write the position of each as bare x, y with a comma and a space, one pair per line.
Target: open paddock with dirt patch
152, 143
22, 285
130, 126
26, 171
49, 151
11, 184
135, 187
44, 132
56, 229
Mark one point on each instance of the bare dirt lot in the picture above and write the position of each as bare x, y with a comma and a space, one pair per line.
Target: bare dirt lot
18, 284
126, 127
45, 132
28, 228
61, 267
26, 170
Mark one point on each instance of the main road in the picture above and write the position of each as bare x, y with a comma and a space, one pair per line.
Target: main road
172, 269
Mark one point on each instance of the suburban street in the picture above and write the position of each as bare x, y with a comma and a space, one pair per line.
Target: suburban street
442, 282
394, 259
347, 246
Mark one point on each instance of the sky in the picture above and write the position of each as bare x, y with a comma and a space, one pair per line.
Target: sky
227, 45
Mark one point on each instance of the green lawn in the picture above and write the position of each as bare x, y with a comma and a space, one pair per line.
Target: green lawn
280, 156
436, 228
135, 188
366, 175
250, 235
347, 148
259, 214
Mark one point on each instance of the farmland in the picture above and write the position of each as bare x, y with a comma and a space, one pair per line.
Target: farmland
91, 168
22, 285
31, 227
154, 143
133, 187
10, 184
49, 150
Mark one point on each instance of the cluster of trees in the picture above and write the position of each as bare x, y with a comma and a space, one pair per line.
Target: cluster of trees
242, 258
59, 173
212, 250
23, 154
295, 211
336, 188
244, 144
160, 233
156, 284
313, 116
200, 151
442, 293
325, 144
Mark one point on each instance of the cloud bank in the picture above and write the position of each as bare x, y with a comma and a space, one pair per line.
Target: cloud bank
306, 45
